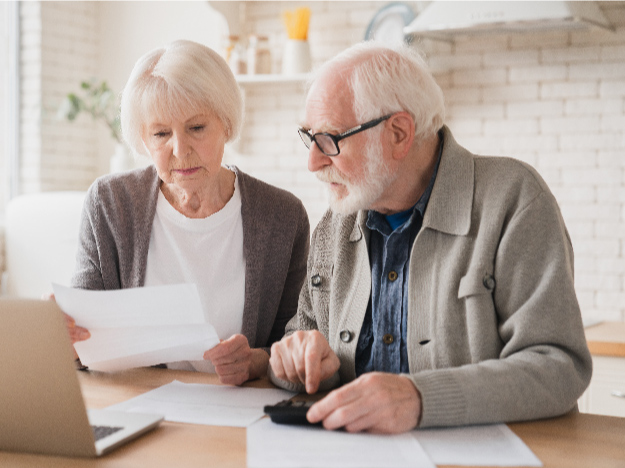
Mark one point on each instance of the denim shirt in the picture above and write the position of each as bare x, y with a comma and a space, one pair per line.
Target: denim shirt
382, 341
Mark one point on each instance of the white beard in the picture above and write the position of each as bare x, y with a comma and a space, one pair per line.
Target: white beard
360, 196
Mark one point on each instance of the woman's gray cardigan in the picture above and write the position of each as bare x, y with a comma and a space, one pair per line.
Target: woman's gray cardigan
115, 235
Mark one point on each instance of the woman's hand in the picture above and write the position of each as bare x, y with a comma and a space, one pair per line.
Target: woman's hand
235, 362
76, 333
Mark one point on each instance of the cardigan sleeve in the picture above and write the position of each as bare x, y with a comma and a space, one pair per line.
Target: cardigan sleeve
88, 273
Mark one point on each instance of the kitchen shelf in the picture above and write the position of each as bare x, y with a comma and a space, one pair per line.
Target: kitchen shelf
274, 78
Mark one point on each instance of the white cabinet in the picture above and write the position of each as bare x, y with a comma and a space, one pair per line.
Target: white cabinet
606, 342
608, 376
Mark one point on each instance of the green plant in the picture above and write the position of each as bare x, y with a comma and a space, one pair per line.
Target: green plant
96, 99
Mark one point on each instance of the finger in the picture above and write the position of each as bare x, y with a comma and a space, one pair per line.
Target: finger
79, 334
233, 374
233, 345
334, 400
234, 379
275, 361
241, 353
329, 365
289, 365
69, 321
312, 368
231, 369
350, 416
370, 422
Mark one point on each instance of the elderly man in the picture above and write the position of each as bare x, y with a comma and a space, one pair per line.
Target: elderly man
440, 284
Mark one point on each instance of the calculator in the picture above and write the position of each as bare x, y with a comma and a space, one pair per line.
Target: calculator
290, 412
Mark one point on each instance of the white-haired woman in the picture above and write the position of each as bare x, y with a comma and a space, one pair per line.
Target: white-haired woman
190, 219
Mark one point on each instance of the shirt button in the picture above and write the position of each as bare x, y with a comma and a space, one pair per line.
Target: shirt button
388, 338
489, 282
316, 281
392, 275
345, 336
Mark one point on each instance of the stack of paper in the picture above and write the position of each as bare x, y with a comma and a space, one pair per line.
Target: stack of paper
217, 405
139, 326
282, 446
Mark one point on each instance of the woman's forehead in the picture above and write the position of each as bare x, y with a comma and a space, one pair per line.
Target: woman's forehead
166, 109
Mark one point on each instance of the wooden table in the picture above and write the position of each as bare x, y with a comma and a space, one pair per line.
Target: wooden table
572, 441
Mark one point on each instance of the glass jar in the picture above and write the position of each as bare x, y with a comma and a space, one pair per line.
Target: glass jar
258, 55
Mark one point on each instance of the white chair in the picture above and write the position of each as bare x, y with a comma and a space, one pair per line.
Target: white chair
41, 238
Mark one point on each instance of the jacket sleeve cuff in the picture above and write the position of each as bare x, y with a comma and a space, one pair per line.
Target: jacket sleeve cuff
442, 401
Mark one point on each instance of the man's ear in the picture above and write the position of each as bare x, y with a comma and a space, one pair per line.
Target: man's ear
402, 129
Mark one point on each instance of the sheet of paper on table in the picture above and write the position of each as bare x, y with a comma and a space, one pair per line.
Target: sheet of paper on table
138, 326
283, 446
216, 405
488, 445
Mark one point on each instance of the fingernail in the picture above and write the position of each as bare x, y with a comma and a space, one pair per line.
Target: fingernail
84, 334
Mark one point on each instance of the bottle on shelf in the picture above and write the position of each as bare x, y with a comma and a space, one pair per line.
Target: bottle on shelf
236, 55
258, 55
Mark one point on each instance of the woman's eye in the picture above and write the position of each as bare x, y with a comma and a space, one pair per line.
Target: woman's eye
161, 134
197, 128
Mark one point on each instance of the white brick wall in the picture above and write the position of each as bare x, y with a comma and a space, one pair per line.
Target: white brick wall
555, 100
59, 49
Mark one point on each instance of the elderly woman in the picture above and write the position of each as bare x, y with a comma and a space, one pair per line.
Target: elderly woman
190, 219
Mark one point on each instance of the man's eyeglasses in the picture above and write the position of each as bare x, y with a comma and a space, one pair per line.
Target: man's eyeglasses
328, 144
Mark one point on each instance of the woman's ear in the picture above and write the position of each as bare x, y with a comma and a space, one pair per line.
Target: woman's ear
402, 129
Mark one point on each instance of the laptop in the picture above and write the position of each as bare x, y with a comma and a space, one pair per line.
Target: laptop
41, 405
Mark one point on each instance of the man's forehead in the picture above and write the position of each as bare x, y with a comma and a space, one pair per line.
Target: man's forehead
329, 104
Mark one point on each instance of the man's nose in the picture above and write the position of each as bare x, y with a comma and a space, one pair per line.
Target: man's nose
316, 159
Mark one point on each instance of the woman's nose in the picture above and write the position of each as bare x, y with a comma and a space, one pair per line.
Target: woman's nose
316, 159
181, 146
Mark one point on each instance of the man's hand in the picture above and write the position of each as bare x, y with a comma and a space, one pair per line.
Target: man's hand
235, 362
304, 357
374, 402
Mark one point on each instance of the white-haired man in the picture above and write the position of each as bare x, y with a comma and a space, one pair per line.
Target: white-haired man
440, 284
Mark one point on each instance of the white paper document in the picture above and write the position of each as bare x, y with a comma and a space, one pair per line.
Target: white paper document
216, 405
283, 446
492, 445
138, 326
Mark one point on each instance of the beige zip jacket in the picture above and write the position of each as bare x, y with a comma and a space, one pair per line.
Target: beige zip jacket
494, 327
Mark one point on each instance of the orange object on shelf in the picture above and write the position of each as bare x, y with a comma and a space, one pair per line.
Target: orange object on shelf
296, 23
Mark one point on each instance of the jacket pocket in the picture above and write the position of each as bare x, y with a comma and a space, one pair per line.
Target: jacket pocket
476, 282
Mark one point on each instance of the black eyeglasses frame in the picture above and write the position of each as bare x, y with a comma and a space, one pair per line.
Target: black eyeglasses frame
336, 138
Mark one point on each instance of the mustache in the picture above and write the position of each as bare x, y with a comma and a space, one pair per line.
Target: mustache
331, 174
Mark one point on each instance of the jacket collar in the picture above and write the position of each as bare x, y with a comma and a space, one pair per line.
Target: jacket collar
449, 208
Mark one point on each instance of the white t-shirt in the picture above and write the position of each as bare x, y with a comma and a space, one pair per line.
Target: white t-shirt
207, 252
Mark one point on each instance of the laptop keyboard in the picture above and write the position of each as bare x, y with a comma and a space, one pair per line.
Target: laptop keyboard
100, 432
